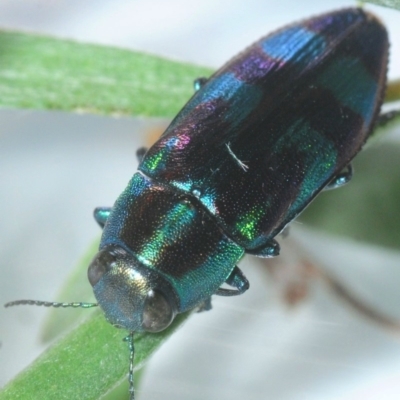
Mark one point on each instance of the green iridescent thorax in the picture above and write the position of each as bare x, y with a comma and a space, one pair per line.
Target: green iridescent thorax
171, 233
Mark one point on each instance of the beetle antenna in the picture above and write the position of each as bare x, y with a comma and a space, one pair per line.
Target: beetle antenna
129, 339
49, 304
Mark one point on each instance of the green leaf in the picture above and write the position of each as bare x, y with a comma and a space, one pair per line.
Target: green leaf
44, 73
75, 288
85, 364
89, 361
385, 3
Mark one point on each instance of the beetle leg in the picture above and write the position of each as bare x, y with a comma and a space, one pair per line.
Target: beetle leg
101, 214
237, 280
198, 83
341, 179
140, 152
271, 249
205, 305
387, 117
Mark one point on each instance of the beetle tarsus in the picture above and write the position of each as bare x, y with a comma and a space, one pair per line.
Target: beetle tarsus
140, 152
237, 280
101, 214
199, 83
341, 179
205, 305
271, 249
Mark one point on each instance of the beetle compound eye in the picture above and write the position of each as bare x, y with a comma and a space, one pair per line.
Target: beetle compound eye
96, 270
101, 263
158, 313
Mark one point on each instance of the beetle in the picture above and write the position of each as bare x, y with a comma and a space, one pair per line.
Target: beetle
250, 150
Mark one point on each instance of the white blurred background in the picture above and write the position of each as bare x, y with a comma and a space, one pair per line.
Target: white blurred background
56, 167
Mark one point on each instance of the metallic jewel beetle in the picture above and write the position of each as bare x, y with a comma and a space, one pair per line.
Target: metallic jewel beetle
250, 150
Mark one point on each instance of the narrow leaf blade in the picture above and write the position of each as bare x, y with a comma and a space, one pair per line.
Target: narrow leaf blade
85, 364
45, 73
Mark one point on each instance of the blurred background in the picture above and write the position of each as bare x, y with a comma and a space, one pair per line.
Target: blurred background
56, 167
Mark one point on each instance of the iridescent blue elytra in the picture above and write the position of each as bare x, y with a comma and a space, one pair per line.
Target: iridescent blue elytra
250, 150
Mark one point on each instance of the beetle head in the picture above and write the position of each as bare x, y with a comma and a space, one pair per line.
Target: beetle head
131, 295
